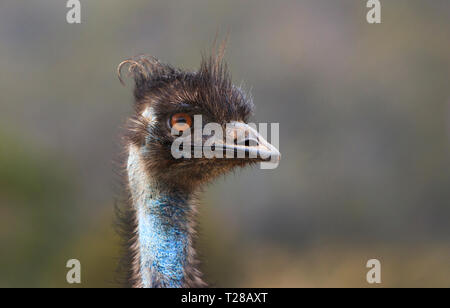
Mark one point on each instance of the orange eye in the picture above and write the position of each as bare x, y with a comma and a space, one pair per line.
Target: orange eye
180, 121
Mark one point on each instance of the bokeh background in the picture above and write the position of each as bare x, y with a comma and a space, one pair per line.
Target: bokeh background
364, 113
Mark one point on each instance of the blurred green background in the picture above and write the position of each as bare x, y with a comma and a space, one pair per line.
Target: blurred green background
364, 113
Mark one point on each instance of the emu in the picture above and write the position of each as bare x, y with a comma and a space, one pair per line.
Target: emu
163, 191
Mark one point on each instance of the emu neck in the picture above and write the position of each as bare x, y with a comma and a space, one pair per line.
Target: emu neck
163, 232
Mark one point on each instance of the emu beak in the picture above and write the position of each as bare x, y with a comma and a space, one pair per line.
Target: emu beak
243, 141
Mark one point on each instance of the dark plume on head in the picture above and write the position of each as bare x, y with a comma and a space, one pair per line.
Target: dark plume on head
210, 87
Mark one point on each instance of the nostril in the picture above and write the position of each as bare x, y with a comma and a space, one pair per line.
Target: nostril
247, 142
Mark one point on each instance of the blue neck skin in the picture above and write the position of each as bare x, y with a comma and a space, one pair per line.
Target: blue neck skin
162, 228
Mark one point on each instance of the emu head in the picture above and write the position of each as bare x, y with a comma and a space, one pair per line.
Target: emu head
168, 103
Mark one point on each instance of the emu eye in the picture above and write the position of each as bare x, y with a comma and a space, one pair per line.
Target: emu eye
180, 121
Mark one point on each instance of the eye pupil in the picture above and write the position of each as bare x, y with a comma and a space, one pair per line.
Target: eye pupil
180, 121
